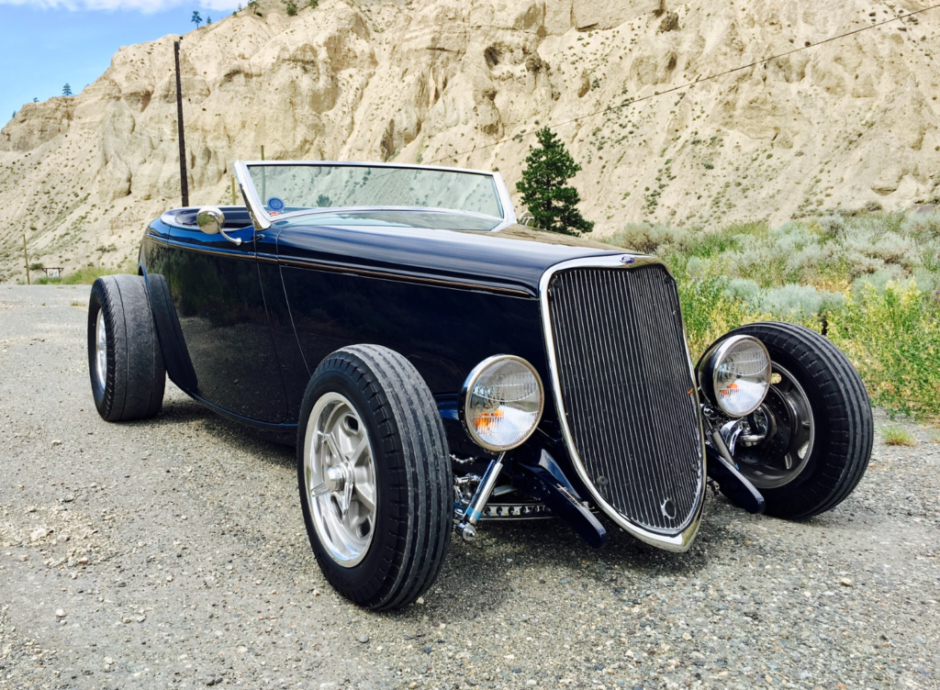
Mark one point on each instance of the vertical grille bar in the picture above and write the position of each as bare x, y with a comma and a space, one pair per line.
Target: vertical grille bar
627, 392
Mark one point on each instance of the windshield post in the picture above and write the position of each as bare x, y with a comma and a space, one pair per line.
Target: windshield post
258, 218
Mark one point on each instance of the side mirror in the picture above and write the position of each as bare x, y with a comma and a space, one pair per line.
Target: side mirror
211, 220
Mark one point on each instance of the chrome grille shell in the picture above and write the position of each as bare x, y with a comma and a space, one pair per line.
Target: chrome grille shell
674, 535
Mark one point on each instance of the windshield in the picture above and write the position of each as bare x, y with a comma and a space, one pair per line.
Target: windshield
285, 188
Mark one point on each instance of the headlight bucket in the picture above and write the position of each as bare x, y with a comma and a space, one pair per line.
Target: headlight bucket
501, 402
735, 375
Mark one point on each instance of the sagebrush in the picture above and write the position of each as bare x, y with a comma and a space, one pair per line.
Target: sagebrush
870, 282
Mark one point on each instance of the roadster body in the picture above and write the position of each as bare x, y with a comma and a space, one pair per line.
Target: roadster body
436, 363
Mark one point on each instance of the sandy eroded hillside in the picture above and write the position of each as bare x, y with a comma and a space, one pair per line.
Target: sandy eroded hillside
840, 125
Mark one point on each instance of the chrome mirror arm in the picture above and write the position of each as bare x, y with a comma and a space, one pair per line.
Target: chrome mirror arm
234, 240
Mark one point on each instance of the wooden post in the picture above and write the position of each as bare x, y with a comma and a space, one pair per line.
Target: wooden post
184, 182
26, 258
264, 180
233, 193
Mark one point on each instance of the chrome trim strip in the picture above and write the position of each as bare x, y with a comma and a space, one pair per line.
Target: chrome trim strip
228, 253
404, 277
263, 221
682, 541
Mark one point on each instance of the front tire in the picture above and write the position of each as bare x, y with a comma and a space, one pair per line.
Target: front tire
375, 478
820, 423
128, 377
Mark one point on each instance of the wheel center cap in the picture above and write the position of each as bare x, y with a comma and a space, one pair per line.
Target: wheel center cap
336, 478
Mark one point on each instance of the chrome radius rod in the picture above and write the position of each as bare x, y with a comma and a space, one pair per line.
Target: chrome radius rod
474, 511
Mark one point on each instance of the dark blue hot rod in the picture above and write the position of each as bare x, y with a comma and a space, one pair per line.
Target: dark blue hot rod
437, 363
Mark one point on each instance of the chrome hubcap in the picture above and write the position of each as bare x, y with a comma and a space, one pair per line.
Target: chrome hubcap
101, 354
339, 475
790, 434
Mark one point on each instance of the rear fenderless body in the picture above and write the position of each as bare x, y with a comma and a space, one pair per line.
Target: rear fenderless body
438, 364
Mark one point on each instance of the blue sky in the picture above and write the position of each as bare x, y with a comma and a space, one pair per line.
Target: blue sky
46, 43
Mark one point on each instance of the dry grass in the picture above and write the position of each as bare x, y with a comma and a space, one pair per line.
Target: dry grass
897, 436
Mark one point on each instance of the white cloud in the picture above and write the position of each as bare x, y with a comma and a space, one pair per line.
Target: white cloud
146, 6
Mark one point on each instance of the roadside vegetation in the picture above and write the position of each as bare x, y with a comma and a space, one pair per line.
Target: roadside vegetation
868, 281
82, 276
898, 436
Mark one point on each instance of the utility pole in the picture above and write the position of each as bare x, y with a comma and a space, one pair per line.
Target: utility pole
264, 179
184, 183
26, 259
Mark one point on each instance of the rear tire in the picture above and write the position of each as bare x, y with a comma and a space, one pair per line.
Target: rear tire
124, 359
384, 547
839, 413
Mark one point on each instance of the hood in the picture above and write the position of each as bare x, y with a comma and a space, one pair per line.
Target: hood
513, 258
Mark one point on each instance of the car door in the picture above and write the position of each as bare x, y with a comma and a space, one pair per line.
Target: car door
216, 290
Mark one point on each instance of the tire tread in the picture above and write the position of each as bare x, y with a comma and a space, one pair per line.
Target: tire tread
848, 425
413, 439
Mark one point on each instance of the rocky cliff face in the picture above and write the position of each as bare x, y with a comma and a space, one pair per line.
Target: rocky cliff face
466, 83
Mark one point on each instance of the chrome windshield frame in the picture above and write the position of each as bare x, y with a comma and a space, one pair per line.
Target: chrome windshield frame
263, 221
683, 540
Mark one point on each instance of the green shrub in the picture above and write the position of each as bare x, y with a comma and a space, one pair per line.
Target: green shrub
871, 281
893, 338
897, 436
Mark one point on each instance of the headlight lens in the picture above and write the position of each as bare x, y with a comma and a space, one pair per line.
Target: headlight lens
735, 375
503, 400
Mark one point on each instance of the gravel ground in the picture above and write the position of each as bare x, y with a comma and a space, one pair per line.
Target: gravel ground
171, 553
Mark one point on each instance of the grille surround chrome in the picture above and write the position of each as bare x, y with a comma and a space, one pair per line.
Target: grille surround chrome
679, 542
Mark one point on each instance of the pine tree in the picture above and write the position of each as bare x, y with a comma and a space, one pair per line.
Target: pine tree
66, 90
197, 19
552, 203
291, 8
208, 20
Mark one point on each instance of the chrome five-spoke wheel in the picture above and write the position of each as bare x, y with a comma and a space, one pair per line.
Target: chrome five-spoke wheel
339, 470
373, 468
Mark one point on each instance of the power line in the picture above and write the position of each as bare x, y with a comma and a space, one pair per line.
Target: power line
690, 84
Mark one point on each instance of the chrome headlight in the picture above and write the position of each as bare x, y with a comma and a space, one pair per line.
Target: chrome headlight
735, 375
502, 402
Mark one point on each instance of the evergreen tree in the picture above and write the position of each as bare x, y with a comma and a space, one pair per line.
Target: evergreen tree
35, 100
197, 19
314, 3
208, 20
552, 203
66, 90
291, 8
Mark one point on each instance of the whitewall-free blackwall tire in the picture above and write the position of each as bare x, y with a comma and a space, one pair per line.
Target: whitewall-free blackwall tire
128, 377
822, 431
373, 468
